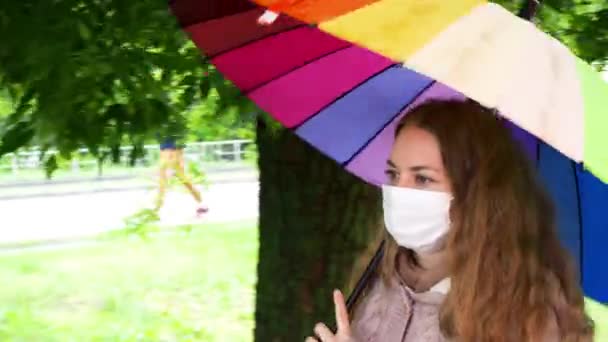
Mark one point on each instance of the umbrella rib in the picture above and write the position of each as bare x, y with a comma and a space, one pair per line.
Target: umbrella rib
255, 40
538, 150
343, 95
404, 107
247, 92
580, 220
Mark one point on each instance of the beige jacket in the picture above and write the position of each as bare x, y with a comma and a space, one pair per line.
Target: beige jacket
400, 314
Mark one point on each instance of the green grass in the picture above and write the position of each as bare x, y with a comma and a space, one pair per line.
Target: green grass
179, 287
197, 286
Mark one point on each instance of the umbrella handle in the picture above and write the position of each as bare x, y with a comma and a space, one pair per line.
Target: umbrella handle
529, 9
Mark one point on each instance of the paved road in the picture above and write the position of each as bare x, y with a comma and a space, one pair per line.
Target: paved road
74, 216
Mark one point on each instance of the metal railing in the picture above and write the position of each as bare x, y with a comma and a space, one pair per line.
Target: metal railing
210, 153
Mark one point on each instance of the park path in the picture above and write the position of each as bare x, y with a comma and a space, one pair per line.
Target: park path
86, 215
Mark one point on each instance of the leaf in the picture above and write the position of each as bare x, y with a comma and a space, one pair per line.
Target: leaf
84, 31
117, 112
204, 87
15, 137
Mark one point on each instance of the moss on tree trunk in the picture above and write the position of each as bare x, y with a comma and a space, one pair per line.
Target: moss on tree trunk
317, 225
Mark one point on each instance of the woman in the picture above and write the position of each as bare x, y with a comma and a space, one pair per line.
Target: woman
172, 160
472, 252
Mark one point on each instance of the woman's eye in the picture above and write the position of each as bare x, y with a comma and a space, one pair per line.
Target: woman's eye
422, 180
391, 175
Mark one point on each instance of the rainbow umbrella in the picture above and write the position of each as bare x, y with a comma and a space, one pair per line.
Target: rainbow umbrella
341, 73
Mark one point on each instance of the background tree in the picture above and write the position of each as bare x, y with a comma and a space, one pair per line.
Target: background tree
102, 73
582, 25
97, 73
318, 228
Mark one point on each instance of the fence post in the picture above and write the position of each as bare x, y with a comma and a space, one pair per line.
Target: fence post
75, 165
237, 151
14, 163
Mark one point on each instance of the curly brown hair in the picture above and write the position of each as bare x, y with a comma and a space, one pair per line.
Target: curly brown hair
510, 275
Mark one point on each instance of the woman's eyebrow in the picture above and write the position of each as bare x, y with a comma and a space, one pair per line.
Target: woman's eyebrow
422, 168
415, 168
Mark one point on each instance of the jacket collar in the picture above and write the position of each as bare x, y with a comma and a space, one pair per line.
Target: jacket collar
430, 275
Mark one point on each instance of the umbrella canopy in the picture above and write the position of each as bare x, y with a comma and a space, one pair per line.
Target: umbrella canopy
486, 53
343, 84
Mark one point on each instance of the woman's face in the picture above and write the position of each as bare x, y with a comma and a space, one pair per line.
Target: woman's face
416, 162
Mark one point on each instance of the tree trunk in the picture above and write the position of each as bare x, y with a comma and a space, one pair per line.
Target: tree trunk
318, 228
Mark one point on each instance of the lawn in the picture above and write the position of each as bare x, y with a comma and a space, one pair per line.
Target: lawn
196, 286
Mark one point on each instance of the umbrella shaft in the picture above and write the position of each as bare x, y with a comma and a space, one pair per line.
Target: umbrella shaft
365, 278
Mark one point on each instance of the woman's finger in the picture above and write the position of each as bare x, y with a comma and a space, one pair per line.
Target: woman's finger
341, 314
311, 339
324, 333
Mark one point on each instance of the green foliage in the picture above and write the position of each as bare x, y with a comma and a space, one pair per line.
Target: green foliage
141, 224
6, 105
95, 84
209, 121
580, 24
17, 135
197, 174
100, 73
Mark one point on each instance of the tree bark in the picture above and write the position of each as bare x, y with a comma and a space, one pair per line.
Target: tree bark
318, 226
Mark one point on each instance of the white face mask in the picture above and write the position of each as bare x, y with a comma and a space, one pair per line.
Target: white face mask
417, 219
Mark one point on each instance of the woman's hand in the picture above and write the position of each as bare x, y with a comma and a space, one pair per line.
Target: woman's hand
344, 333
